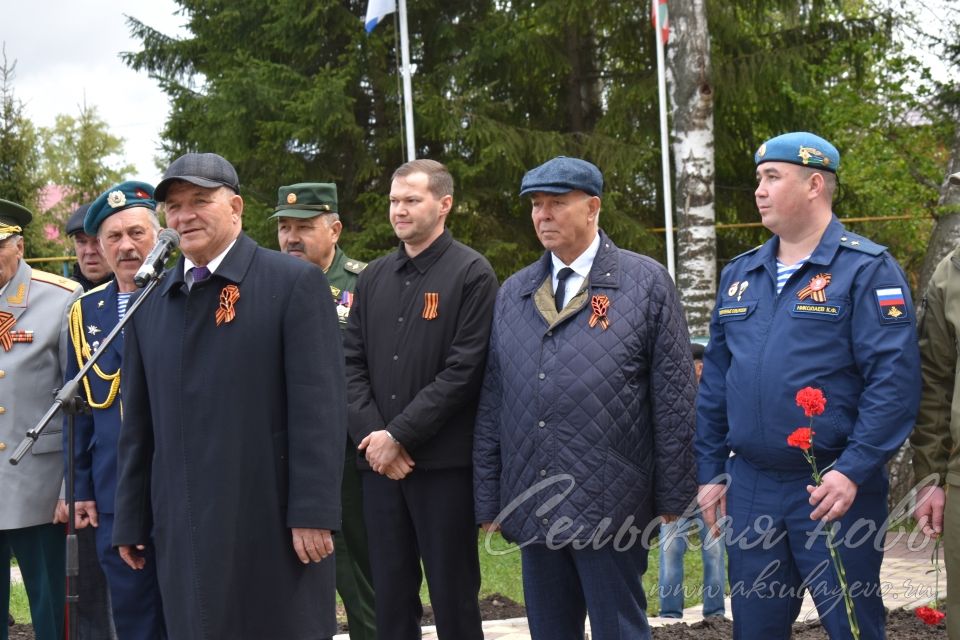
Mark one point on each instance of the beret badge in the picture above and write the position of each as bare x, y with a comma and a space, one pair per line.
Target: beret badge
116, 199
762, 151
291, 198
811, 155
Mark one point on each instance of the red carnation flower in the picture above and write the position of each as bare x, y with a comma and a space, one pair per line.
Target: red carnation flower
812, 401
802, 438
930, 616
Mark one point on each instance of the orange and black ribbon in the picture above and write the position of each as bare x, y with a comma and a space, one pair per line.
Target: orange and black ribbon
6, 324
431, 305
228, 296
600, 304
815, 288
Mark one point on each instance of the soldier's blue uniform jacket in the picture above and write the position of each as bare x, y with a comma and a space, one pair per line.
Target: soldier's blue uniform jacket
135, 595
844, 323
92, 317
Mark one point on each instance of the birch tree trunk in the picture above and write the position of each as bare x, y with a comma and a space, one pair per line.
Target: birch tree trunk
691, 102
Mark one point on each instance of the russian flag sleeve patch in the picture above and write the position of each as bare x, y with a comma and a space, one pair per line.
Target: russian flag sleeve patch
892, 305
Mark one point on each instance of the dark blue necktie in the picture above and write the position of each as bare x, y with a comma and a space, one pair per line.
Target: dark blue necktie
561, 291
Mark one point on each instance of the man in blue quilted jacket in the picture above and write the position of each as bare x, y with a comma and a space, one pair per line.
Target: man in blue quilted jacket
585, 427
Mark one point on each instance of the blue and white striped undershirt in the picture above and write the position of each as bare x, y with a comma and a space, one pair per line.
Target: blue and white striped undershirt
122, 300
785, 271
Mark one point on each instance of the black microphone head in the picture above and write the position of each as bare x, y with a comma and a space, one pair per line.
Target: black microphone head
169, 236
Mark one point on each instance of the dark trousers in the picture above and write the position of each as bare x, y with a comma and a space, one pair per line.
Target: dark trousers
776, 553
354, 578
95, 621
135, 594
428, 515
562, 586
41, 555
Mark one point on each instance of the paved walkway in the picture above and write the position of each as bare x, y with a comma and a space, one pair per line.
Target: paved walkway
905, 575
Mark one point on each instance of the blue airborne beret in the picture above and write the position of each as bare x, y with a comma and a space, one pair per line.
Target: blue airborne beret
802, 148
561, 175
125, 195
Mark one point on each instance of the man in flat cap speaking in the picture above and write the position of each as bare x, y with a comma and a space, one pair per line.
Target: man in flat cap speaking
33, 355
815, 306
232, 444
587, 398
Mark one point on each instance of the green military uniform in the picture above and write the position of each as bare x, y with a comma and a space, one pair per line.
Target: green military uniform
354, 581
342, 276
937, 432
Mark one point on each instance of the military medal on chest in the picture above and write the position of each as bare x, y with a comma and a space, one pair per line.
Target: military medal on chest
815, 289
8, 335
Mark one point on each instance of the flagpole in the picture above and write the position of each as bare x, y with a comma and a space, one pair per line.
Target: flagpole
664, 141
407, 83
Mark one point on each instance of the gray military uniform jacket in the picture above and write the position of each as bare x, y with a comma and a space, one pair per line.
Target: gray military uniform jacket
33, 351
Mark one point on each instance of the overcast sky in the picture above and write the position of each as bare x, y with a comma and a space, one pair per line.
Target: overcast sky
67, 51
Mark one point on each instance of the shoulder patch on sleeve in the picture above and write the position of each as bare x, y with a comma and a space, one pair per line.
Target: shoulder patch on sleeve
354, 266
60, 281
859, 243
892, 305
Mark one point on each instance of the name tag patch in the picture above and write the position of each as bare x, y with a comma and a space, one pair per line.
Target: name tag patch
814, 309
733, 312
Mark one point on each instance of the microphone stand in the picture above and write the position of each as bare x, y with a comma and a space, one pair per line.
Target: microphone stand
69, 400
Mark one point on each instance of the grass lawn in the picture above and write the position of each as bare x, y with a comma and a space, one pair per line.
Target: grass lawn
500, 571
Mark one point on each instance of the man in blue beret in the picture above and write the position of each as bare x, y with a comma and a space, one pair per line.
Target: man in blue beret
123, 221
33, 354
815, 306
585, 427
93, 609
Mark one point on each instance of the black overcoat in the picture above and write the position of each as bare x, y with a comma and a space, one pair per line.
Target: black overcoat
232, 434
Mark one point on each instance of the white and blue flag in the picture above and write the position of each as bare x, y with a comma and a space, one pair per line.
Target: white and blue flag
376, 10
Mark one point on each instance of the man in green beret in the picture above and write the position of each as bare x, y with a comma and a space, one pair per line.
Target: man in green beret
308, 227
33, 355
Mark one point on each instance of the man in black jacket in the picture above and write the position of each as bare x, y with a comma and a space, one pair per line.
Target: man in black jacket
415, 347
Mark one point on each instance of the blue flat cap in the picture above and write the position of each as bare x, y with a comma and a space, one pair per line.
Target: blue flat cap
125, 195
801, 148
561, 175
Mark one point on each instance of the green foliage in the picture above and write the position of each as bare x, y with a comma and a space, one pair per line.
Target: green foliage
296, 91
20, 177
76, 155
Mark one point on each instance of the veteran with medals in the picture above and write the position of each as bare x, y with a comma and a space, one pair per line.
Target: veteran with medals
309, 227
33, 355
585, 427
815, 306
124, 223
234, 421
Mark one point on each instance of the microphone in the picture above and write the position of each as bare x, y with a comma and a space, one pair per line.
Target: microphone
167, 241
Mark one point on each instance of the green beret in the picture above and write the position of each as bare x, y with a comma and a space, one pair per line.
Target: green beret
13, 218
306, 200
801, 148
125, 195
